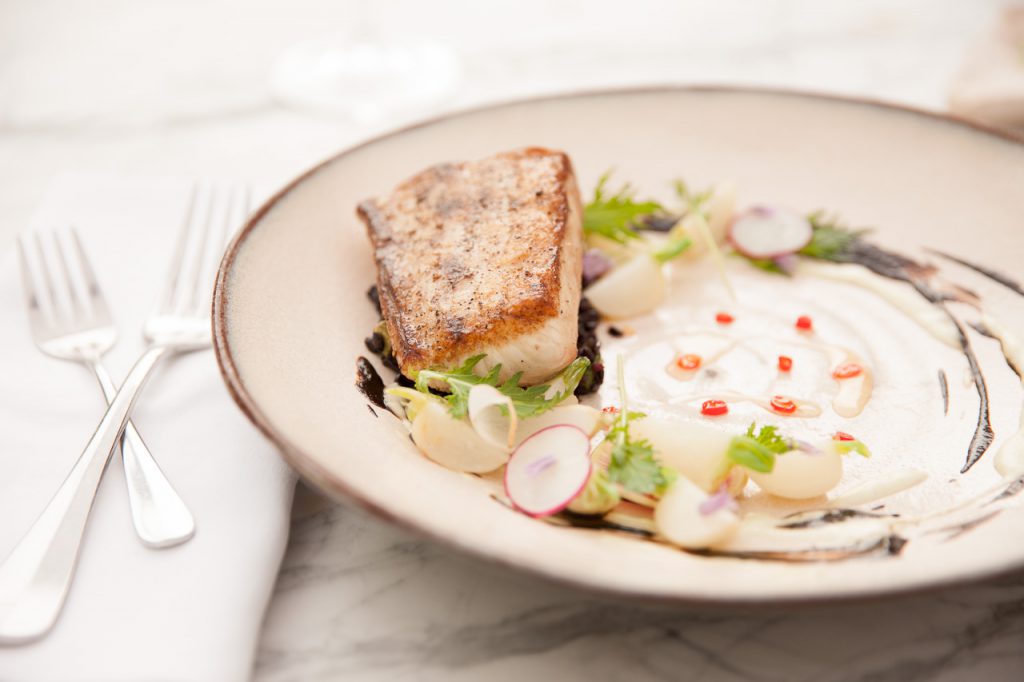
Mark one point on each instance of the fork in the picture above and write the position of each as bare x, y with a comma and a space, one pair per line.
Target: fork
81, 329
36, 575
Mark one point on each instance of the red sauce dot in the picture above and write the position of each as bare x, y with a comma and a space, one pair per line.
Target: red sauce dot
714, 408
610, 410
785, 363
724, 318
804, 322
688, 362
783, 404
847, 371
842, 435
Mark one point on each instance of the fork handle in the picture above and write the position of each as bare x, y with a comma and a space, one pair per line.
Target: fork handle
159, 515
36, 575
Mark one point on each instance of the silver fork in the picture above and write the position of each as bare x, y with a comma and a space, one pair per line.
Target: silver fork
36, 575
80, 328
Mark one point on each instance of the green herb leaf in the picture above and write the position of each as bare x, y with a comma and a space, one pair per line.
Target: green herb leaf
846, 446
672, 249
528, 401
598, 497
612, 216
747, 452
830, 239
769, 437
635, 468
765, 264
633, 464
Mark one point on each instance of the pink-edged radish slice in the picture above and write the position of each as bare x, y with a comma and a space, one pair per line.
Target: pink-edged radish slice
765, 232
548, 470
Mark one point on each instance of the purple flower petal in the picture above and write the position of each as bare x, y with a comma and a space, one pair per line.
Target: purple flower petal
536, 467
804, 446
720, 500
786, 262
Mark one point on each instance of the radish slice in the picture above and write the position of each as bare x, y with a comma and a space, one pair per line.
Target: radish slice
683, 518
492, 415
763, 232
452, 442
634, 288
548, 470
799, 475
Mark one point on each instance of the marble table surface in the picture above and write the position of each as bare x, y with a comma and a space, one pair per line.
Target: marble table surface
165, 88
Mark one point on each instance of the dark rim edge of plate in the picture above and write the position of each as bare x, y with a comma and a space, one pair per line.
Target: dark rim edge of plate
325, 481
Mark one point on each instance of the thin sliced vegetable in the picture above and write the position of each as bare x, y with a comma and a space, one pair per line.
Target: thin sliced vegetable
452, 442
493, 416
548, 470
763, 232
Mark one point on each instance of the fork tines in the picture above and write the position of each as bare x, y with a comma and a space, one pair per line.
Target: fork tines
214, 212
57, 300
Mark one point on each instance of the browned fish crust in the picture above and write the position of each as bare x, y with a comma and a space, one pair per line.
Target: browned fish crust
468, 254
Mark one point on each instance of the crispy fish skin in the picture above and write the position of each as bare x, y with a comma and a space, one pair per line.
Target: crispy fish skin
482, 257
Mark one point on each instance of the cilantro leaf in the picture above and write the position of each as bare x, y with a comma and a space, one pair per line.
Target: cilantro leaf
633, 464
635, 468
769, 437
527, 401
613, 215
831, 239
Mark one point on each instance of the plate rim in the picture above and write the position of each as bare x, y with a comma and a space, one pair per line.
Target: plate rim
323, 480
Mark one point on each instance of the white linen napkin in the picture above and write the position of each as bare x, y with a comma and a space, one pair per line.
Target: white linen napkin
191, 612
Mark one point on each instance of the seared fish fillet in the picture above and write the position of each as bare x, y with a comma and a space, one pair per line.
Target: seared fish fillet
482, 257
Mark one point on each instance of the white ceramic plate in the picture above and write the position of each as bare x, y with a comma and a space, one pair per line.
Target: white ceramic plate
291, 314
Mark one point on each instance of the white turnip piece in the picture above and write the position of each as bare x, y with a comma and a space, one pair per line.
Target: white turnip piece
800, 475
694, 449
683, 517
633, 288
